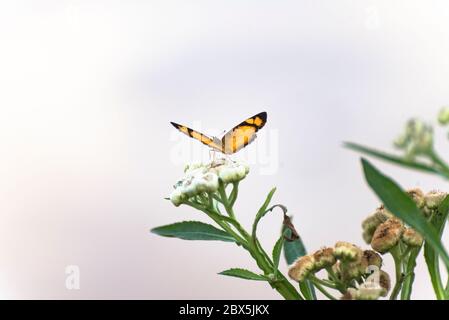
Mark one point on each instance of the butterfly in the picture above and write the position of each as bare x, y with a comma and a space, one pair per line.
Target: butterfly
233, 140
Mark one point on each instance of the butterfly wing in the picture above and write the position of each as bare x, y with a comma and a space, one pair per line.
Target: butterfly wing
243, 134
208, 141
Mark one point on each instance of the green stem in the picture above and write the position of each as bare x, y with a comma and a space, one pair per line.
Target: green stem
234, 193
211, 202
446, 290
225, 200
443, 168
263, 252
246, 235
322, 290
396, 253
219, 220
340, 285
438, 219
323, 282
405, 253
409, 274
282, 285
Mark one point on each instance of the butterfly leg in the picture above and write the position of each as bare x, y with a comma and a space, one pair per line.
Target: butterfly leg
228, 158
212, 155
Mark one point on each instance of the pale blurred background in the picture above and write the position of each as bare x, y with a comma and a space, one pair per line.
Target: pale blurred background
87, 90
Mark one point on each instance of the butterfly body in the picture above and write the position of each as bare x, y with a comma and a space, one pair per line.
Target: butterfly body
234, 140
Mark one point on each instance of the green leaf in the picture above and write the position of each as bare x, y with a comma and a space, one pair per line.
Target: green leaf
402, 206
390, 158
262, 211
193, 230
292, 251
431, 257
277, 253
243, 274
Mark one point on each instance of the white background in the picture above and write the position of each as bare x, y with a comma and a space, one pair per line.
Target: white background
87, 90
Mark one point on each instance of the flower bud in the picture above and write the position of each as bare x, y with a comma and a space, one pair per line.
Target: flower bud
401, 141
412, 237
189, 187
301, 268
384, 282
346, 251
177, 197
232, 172
418, 197
369, 225
387, 235
207, 183
204, 178
417, 139
415, 127
367, 236
369, 259
383, 214
324, 258
434, 198
443, 116
350, 271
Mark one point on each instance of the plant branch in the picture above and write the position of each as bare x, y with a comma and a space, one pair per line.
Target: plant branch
225, 200
321, 289
282, 285
439, 164
409, 273
340, 285
396, 254
323, 282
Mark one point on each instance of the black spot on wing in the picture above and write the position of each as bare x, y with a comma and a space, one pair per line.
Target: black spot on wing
262, 115
175, 125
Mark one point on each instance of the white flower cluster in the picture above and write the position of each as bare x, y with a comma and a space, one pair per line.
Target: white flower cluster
376, 285
204, 178
416, 139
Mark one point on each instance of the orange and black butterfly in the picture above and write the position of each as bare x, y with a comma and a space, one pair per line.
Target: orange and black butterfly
235, 139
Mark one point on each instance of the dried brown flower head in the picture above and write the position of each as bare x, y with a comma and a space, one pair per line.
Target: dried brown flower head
324, 258
434, 198
370, 258
387, 235
301, 268
346, 251
384, 282
418, 197
412, 238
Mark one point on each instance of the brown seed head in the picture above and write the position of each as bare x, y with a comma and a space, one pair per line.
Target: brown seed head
387, 235
301, 268
324, 258
346, 251
412, 238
